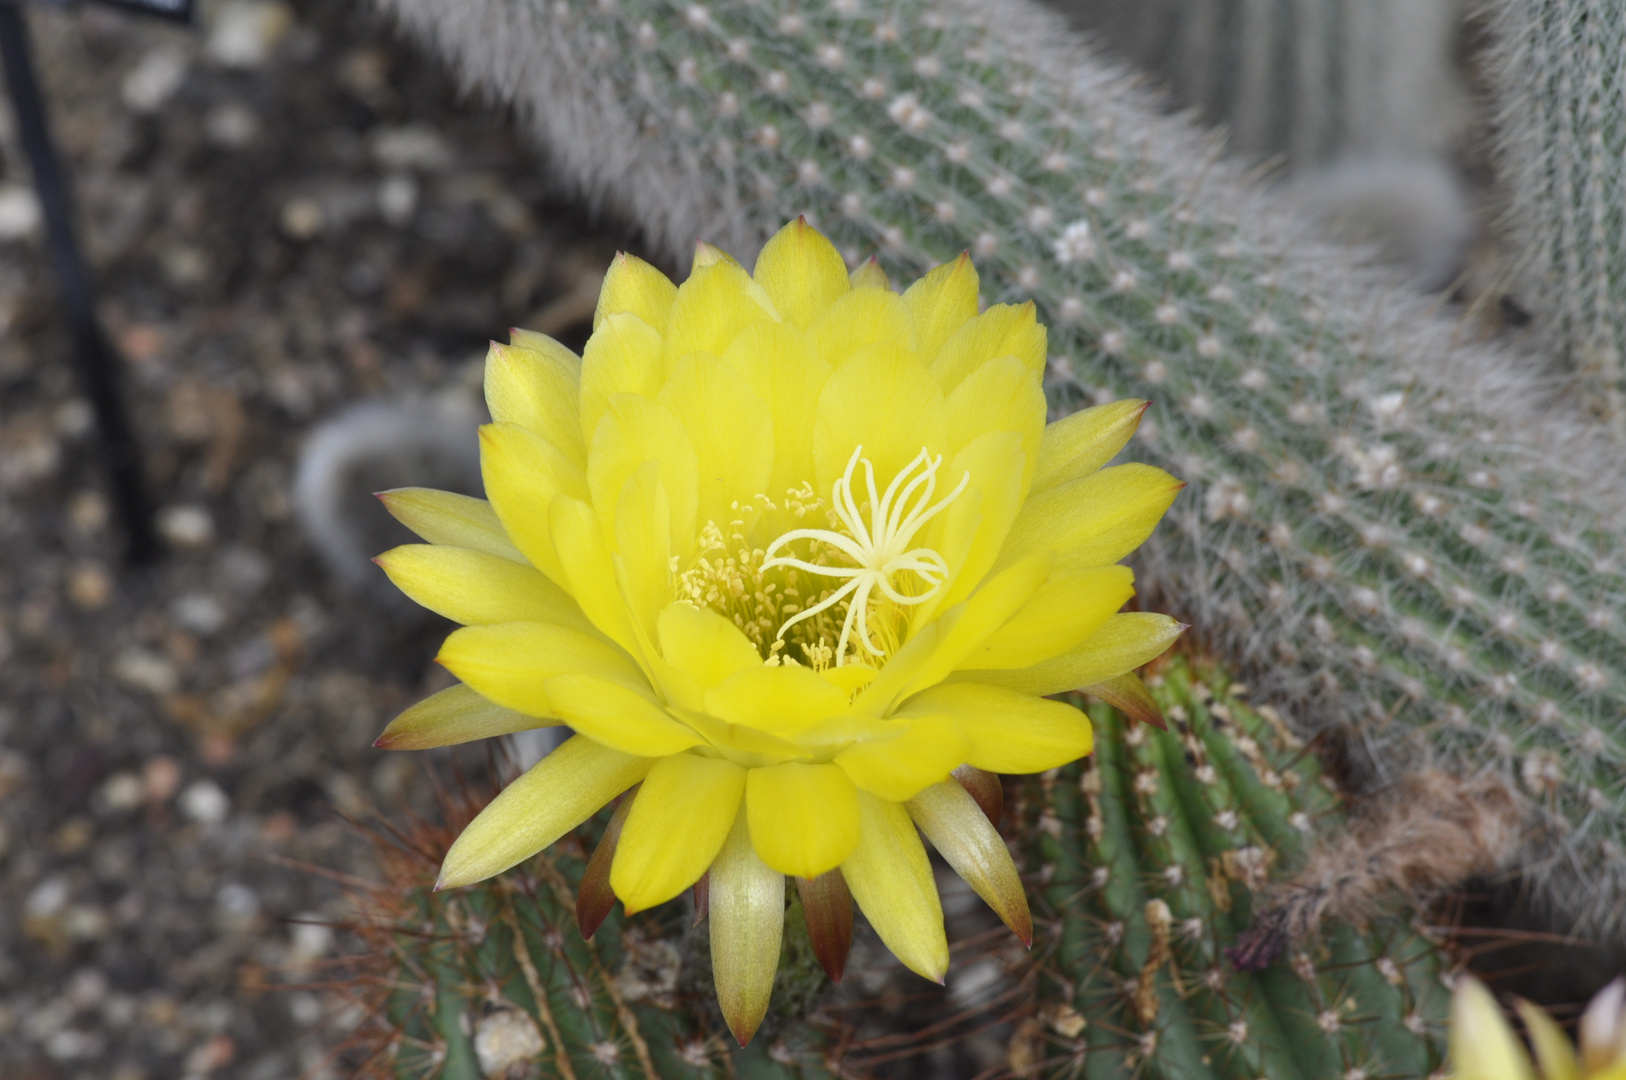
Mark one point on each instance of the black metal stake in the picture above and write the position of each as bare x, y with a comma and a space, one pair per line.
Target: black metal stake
97, 362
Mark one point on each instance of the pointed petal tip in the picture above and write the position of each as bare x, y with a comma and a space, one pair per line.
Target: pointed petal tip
383, 742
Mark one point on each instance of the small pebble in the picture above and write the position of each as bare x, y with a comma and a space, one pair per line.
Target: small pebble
75, 418
186, 526
204, 802
123, 792
90, 586
237, 903
48, 899
506, 1038
412, 146
87, 512
19, 212
397, 198
140, 669
243, 33
231, 125
301, 219
14, 771
153, 81
198, 612
160, 776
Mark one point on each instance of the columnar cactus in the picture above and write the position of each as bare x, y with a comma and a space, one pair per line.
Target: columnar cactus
1313, 80
1561, 95
1393, 531
1155, 855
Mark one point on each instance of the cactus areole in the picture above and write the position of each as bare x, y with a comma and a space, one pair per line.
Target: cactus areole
786, 549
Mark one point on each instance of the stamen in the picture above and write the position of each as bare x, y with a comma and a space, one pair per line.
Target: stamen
879, 548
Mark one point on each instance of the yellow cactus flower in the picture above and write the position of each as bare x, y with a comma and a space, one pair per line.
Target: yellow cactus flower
798, 559
1484, 1047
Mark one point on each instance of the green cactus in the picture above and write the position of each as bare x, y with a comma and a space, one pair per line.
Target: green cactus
1313, 80
1153, 853
1561, 124
1394, 531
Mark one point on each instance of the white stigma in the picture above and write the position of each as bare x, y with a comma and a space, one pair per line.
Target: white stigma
880, 549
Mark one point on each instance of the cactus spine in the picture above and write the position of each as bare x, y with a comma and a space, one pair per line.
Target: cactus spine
1392, 531
1155, 853
1562, 125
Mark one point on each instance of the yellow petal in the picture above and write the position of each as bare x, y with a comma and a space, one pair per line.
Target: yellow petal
523, 472
975, 525
801, 272
1010, 732
729, 428
961, 833
989, 608
715, 304
633, 286
865, 316
804, 818
610, 713
682, 815
537, 385
1094, 520
509, 662
898, 768
622, 357
635, 430
707, 254
472, 588
891, 879
454, 715
1001, 395
940, 304
779, 700
704, 644
747, 914
1555, 1056
558, 793
442, 517
589, 572
869, 275
884, 400
1079, 444
1063, 614
1124, 642
1483, 1047
782, 369
1002, 330
643, 534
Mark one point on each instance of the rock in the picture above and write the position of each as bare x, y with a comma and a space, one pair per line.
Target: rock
141, 669
204, 802
200, 613
243, 33
413, 146
186, 526
153, 80
19, 212
90, 586
122, 793
231, 125
160, 776
301, 219
88, 512
397, 198
505, 1040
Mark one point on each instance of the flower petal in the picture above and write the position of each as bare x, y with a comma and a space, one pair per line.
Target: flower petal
942, 302
456, 714
1077, 445
635, 430
620, 718
622, 357
958, 829
509, 662
784, 371
594, 897
884, 400
1554, 1054
989, 608
558, 793
1001, 395
473, 588
746, 901
1129, 695
1095, 520
704, 644
801, 272
1010, 732
443, 517
891, 879
1483, 1046
683, 813
827, 907
712, 306
803, 818
779, 700
986, 788
643, 537
730, 430
862, 317
870, 275
1003, 330
536, 383
523, 472
1124, 642
1062, 614
976, 524
897, 768
589, 572
632, 285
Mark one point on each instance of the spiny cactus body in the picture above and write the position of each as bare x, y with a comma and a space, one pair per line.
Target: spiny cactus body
1391, 530
1155, 855
1313, 80
1561, 96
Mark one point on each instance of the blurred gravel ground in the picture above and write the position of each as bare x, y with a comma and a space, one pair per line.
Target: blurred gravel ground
288, 212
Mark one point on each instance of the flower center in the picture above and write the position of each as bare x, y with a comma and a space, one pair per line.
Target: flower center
878, 549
